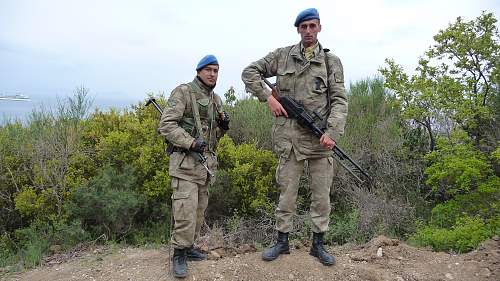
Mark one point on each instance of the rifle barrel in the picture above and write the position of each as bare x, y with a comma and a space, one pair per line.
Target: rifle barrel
297, 111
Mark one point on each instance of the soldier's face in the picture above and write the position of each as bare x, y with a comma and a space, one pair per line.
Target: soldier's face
209, 74
308, 31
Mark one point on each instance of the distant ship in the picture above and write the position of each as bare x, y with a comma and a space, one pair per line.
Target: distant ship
18, 97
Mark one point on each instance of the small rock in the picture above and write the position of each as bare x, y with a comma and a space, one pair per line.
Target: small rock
290, 276
246, 248
221, 252
54, 249
485, 272
449, 276
215, 254
393, 262
379, 252
204, 248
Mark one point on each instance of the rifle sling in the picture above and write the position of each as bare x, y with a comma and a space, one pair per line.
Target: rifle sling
328, 89
196, 115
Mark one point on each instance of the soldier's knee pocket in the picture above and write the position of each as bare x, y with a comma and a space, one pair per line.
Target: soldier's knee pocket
181, 205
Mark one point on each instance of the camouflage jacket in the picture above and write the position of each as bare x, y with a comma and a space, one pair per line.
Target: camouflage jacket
177, 124
306, 82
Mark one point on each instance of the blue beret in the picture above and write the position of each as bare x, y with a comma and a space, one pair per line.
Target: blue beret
206, 60
307, 14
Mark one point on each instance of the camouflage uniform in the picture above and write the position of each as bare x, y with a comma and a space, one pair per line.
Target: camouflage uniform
305, 81
190, 180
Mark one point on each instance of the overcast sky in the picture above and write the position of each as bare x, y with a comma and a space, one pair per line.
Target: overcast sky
125, 49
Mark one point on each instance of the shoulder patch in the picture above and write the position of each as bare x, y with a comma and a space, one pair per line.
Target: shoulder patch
172, 102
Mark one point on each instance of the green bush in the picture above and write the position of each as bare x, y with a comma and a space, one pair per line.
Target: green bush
456, 167
150, 233
108, 203
344, 228
7, 250
251, 122
246, 178
483, 202
464, 236
33, 242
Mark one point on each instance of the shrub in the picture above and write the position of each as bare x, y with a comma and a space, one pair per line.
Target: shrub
251, 122
344, 228
7, 250
246, 177
464, 236
108, 203
150, 233
33, 242
482, 202
456, 167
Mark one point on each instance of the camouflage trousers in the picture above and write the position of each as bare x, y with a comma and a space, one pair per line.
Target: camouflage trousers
288, 175
189, 202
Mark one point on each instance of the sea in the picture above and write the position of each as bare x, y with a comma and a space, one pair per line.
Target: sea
12, 110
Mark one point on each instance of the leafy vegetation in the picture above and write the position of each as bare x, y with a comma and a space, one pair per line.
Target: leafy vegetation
430, 140
454, 97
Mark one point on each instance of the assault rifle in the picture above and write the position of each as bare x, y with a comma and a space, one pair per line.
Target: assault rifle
306, 120
170, 147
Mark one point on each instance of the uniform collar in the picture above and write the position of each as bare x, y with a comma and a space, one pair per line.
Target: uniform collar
315, 50
202, 86
297, 53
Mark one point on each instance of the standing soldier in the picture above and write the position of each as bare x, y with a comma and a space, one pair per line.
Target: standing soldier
192, 122
313, 77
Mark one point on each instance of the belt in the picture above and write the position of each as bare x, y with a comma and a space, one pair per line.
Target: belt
180, 149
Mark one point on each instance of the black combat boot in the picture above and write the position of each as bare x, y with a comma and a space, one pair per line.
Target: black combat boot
179, 263
194, 254
318, 250
281, 247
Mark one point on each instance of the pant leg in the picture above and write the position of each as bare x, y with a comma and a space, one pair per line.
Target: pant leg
321, 172
202, 207
288, 175
184, 202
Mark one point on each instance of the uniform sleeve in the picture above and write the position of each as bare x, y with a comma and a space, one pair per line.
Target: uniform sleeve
172, 115
251, 76
338, 114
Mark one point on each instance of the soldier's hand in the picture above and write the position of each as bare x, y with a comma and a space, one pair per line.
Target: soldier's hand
224, 121
276, 107
198, 145
327, 142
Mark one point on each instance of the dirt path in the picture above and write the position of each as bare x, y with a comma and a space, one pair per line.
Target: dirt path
398, 262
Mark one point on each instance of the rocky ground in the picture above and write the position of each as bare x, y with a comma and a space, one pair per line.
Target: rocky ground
380, 259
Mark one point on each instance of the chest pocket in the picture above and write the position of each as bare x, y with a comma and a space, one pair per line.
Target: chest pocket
285, 80
203, 108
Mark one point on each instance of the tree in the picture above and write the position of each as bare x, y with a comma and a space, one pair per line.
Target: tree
472, 50
230, 96
457, 77
415, 97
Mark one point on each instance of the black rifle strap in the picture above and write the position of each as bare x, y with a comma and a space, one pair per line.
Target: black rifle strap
328, 89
